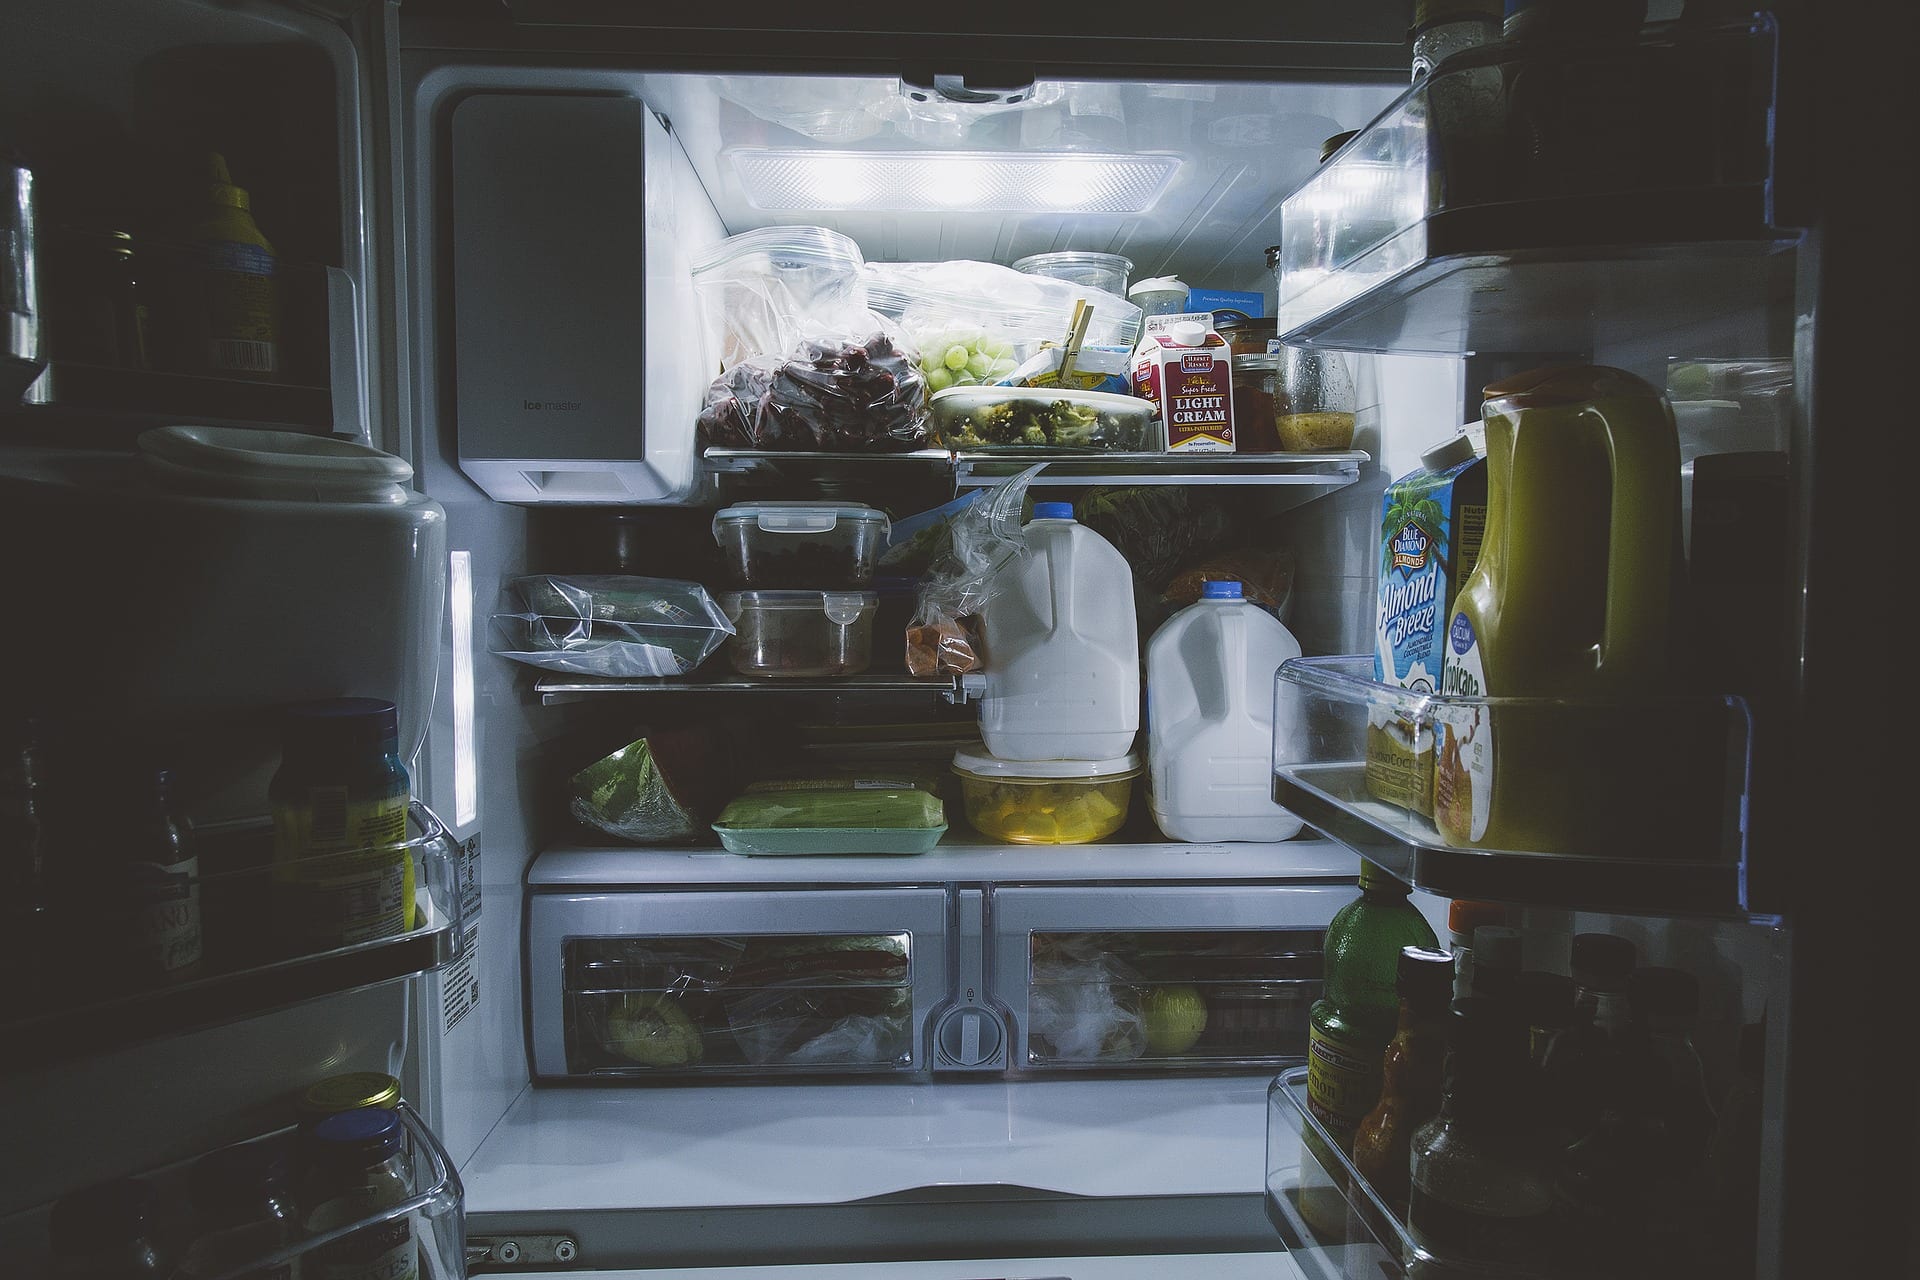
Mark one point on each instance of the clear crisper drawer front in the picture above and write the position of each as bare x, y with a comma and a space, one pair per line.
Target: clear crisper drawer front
670, 985
1172, 978
1635, 803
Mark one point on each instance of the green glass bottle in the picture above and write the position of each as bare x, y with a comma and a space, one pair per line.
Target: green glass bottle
1356, 1014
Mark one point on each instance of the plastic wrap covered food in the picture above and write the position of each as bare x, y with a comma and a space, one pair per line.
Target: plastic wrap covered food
659, 789
833, 816
608, 625
1054, 418
828, 395
825, 1000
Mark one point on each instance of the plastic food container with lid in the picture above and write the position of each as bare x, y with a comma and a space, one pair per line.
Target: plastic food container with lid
800, 633
1159, 296
812, 545
1042, 419
1046, 801
1107, 271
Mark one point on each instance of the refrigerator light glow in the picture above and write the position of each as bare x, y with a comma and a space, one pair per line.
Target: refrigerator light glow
943, 181
466, 770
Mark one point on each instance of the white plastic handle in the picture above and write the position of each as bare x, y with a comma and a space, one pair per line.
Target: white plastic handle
797, 521
843, 608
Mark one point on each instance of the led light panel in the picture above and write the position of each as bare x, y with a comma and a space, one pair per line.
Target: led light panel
936, 181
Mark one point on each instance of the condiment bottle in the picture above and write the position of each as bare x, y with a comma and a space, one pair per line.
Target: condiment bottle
1351, 1024
1496, 967
243, 1207
1355, 1017
108, 1232
153, 886
357, 1166
1546, 1002
1669, 1001
1410, 1072
229, 308
1480, 1190
341, 789
1582, 1073
1463, 916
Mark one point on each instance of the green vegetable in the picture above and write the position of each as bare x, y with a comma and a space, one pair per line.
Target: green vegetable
851, 808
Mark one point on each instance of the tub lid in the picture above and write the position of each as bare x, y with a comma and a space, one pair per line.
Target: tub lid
1158, 284
982, 765
800, 517
242, 462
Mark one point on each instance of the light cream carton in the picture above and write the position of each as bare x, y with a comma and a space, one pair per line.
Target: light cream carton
1183, 366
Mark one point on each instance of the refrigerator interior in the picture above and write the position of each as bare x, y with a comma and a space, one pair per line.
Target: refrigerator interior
1065, 1159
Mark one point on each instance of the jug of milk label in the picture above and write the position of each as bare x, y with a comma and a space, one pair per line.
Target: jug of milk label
1062, 655
1210, 726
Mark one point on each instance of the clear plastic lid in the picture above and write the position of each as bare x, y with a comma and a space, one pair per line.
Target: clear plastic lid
1159, 284
959, 401
800, 517
783, 247
993, 769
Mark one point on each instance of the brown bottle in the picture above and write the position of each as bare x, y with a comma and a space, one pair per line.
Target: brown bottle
1411, 1070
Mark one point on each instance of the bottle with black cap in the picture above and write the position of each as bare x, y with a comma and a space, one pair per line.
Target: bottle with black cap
243, 1210
1585, 1066
1410, 1073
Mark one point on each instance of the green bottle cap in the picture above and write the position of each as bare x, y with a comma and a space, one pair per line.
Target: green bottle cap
1374, 876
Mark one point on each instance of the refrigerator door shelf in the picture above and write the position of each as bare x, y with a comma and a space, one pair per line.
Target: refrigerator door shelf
1656, 823
250, 962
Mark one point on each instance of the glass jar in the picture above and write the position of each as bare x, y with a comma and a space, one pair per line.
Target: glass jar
95, 303
348, 1092
358, 1168
1314, 410
106, 1232
243, 1209
341, 789
1256, 399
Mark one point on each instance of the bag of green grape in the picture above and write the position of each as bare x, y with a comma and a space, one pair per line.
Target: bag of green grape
977, 323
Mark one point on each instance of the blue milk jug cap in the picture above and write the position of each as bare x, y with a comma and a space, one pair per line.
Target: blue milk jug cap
1053, 511
1220, 590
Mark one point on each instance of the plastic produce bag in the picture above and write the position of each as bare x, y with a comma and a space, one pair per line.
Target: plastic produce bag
979, 322
764, 292
834, 804
791, 993
983, 538
831, 393
1265, 575
660, 789
1085, 1009
608, 624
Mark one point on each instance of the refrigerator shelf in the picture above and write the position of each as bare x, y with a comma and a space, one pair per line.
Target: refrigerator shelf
1538, 196
248, 966
1639, 805
433, 1213
1318, 472
558, 689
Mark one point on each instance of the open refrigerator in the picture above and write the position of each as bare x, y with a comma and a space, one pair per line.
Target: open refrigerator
458, 184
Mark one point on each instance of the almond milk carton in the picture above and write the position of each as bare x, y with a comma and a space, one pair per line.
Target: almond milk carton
1183, 366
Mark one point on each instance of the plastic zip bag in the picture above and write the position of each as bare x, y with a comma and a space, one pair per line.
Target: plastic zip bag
833, 393
608, 624
984, 537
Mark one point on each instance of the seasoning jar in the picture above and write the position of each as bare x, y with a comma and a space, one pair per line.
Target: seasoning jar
358, 1168
1256, 399
1245, 335
341, 872
1315, 405
243, 1208
94, 300
351, 1091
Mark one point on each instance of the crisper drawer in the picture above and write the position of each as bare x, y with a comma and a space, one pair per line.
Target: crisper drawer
677, 984
1177, 977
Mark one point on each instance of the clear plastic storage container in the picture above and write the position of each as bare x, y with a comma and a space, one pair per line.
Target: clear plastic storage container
800, 633
1107, 271
1042, 420
812, 545
1046, 801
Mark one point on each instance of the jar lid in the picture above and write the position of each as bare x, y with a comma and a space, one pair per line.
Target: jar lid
980, 764
1039, 262
1334, 143
1602, 960
1257, 360
1159, 284
800, 517
349, 1092
1424, 974
364, 1137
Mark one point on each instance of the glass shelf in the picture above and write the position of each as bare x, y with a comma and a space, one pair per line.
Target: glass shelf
88, 1000
1634, 805
1537, 195
1321, 472
558, 689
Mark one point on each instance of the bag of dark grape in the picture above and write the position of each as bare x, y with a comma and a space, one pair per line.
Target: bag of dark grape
830, 394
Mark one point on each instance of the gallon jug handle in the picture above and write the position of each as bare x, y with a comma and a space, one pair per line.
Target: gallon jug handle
1644, 450
1233, 648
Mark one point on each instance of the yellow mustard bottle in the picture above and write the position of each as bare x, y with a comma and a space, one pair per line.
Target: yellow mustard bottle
238, 329
1573, 598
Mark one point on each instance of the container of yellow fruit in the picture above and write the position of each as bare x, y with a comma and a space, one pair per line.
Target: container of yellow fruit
1045, 801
